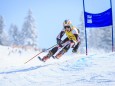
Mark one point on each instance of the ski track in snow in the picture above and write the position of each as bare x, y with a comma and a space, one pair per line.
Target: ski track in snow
92, 70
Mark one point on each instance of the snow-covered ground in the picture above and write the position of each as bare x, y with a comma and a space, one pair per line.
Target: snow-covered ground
71, 70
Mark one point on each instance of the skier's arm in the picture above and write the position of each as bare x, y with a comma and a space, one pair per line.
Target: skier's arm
59, 37
61, 34
76, 33
76, 36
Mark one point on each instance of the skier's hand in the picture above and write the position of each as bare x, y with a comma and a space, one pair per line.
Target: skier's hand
73, 43
59, 42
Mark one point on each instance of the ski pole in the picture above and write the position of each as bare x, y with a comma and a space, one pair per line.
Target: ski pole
38, 54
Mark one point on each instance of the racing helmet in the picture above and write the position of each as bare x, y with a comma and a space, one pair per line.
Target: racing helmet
67, 23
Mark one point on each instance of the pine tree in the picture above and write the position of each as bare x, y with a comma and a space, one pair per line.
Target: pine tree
1, 24
3, 36
14, 35
82, 33
94, 37
100, 38
29, 33
106, 38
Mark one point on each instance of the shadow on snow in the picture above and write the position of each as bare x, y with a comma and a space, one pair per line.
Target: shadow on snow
24, 70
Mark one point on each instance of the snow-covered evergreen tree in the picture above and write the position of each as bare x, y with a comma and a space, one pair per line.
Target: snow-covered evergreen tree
1, 29
106, 38
82, 33
94, 37
3, 36
29, 31
1, 24
100, 38
14, 35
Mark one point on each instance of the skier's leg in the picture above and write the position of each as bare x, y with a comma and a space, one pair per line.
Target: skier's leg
65, 42
54, 50
76, 47
64, 50
51, 53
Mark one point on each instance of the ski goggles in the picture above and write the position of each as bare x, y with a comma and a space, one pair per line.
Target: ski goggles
66, 27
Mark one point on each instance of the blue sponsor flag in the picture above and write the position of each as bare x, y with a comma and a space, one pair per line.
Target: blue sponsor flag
98, 20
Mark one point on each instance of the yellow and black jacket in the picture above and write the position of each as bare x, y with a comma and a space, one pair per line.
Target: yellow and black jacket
72, 34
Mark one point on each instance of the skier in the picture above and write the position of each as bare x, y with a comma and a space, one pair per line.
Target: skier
72, 40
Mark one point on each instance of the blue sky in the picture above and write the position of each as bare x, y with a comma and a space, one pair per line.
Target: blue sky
49, 14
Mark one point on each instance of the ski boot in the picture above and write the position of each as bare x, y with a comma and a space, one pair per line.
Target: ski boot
47, 56
51, 53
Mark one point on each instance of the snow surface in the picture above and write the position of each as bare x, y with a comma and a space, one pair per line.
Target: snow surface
70, 70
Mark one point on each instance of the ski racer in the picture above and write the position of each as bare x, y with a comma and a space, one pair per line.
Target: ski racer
72, 40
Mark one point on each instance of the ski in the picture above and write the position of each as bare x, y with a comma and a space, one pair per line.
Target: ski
44, 61
40, 58
53, 57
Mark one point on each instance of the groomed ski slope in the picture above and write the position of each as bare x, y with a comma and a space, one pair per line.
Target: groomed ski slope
71, 70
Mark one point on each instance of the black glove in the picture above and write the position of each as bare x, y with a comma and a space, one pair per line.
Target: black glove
59, 42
